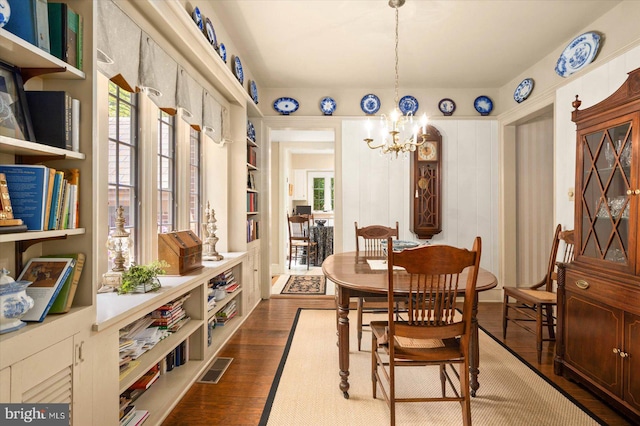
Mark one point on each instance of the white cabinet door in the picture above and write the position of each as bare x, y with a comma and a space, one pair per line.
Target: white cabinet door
300, 184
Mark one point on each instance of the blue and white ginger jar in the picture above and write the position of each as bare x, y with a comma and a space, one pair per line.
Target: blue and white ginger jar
14, 302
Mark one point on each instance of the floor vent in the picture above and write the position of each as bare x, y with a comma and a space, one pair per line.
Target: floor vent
216, 370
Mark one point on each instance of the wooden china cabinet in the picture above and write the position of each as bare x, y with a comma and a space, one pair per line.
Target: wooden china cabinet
426, 184
599, 292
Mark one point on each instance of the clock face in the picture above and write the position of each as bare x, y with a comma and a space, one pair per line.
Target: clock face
427, 152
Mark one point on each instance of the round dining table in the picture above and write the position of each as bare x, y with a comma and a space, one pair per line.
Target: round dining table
360, 276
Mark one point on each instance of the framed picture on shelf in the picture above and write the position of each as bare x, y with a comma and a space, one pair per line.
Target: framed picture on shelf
15, 121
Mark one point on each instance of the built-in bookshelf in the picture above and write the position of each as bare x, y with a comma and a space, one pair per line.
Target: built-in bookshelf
253, 206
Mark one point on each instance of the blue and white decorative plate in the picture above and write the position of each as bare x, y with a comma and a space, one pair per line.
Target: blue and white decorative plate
222, 49
370, 104
446, 106
523, 90
408, 105
211, 33
327, 105
578, 54
237, 69
483, 104
253, 91
197, 18
251, 131
285, 106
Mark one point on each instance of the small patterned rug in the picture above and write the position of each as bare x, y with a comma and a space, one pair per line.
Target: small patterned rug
305, 285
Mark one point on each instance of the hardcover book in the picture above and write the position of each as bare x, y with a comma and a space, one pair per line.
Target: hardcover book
28, 186
47, 275
64, 300
23, 20
51, 117
63, 32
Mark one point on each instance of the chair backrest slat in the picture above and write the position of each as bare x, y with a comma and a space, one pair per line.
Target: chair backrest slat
431, 280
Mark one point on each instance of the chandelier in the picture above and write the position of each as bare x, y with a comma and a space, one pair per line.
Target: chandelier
396, 124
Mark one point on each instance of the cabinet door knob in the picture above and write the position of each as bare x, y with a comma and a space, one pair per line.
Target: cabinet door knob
629, 191
624, 355
637, 192
583, 285
616, 350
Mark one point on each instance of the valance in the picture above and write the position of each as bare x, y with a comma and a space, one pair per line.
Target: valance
158, 74
189, 97
212, 117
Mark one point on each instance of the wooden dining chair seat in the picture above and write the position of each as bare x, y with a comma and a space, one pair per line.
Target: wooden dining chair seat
437, 328
300, 244
537, 302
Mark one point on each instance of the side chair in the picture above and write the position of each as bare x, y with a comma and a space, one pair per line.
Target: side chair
437, 328
300, 244
537, 302
374, 239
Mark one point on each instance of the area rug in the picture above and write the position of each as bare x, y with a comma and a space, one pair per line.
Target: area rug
305, 285
305, 389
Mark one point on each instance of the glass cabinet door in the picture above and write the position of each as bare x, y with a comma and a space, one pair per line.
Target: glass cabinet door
606, 194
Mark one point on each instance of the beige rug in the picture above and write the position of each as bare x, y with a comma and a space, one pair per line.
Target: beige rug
305, 390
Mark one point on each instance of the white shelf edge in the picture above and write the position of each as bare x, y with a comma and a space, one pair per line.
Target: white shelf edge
34, 235
21, 147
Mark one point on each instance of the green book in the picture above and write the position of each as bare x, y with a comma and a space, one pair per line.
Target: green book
57, 21
64, 299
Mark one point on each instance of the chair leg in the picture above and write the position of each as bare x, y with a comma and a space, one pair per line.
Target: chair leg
505, 314
443, 380
392, 391
539, 332
374, 365
359, 317
549, 313
290, 254
464, 390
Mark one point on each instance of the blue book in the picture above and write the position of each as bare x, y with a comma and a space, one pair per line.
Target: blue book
55, 193
48, 275
23, 20
28, 187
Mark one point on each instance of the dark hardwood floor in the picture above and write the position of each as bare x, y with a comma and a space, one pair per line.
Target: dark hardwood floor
239, 397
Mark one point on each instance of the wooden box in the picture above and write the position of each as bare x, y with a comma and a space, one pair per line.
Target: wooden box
182, 250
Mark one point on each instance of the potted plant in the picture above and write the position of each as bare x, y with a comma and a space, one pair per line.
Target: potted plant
142, 278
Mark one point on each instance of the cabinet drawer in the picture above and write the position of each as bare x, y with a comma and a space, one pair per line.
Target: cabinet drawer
602, 289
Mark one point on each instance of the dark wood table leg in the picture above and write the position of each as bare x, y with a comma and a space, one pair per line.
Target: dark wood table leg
474, 350
343, 339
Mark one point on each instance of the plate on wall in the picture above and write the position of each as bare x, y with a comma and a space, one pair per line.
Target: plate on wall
237, 69
523, 90
446, 106
197, 18
327, 105
578, 54
222, 49
408, 105
370, 104
211, 33
253, 91
285, 105
483, 104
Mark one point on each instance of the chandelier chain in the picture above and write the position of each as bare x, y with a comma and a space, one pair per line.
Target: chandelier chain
397, 77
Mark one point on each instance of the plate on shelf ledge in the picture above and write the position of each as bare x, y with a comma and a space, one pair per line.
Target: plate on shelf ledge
237, 69
285, 106
327, 105
523, 90
251, 131
446, 106
578, 54
222, 49
370, 104
211, 33
408, 105
483, 104
253, 91
197, 18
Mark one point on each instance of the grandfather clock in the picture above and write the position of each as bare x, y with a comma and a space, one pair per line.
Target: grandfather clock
426, 176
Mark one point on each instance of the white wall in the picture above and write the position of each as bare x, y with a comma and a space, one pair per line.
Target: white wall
592, 87
376, 190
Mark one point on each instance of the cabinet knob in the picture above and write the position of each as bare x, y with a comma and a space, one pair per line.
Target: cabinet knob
583, 285
616, 350
624, 355
629, 191
637, 192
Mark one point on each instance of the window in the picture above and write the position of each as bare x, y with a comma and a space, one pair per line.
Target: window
322, 191
123, 159
166, 172
195, 203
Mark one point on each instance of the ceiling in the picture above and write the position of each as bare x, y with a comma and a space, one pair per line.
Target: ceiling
335, 44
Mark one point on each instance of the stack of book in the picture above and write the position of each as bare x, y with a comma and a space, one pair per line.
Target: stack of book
171, 316
43, 197
226, 280
229, 311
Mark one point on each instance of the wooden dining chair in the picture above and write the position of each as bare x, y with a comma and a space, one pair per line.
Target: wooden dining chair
300, 244
537, 302
374, 239
437, 328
